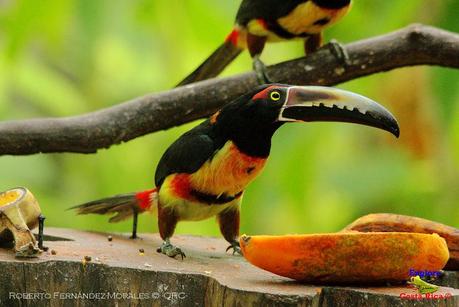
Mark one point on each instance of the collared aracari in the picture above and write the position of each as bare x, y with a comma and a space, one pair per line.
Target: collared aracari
262, 21
205, 171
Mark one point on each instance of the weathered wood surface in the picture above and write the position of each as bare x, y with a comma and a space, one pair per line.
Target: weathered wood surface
208, 276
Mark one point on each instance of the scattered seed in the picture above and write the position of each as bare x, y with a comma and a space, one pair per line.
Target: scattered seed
339, 71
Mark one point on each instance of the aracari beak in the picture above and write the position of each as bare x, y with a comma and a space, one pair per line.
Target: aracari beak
317, 103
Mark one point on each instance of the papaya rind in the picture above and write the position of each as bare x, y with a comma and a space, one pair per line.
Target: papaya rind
389, 222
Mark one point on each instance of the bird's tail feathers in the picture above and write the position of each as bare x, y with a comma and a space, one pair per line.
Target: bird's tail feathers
122, 206
216, 62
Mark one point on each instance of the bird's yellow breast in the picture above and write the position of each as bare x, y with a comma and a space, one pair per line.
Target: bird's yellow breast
306, 18
228, 172
309, 18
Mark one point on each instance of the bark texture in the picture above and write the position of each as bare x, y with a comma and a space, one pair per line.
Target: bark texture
87, 133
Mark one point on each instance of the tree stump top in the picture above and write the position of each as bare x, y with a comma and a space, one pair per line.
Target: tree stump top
95, 271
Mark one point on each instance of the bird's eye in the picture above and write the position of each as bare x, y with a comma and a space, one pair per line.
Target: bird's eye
275, 96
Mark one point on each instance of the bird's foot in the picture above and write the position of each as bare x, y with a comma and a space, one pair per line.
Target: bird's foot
260, 70
235, 247
170, 250
339, 51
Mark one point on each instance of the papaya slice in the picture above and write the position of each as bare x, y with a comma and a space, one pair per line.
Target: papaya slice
346, 257
385, 222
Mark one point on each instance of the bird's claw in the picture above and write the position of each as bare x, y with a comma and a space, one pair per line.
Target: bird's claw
236, 248
260, 70
170, 250
339, 51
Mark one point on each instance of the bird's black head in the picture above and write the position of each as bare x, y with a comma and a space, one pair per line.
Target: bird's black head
251, 120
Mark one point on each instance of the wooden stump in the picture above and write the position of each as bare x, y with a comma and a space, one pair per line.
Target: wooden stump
116, 273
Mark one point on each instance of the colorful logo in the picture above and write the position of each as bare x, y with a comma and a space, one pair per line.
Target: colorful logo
422, 286
425, 274
424, 289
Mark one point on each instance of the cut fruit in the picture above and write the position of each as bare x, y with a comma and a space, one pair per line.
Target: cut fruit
385, 222
19, 212
20, 206
9, 197
346, 257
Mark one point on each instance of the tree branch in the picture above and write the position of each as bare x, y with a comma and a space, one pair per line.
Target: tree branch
413, 45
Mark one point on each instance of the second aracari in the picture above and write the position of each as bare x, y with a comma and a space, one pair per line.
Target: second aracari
263, 21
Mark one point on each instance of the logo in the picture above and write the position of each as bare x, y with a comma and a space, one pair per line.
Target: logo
425, 274
422, 286
424, 290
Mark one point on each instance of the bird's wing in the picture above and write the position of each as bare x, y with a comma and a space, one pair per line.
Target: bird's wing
186, 155
269, 10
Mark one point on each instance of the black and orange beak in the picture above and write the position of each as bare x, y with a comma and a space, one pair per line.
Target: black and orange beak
316, 103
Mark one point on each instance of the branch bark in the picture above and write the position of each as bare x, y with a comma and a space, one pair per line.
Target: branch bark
413, 45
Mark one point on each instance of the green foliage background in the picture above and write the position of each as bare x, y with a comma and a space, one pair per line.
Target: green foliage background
60, 58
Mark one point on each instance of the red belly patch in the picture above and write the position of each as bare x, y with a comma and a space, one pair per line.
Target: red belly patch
181, 186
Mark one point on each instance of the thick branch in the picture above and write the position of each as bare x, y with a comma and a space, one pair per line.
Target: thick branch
414, 45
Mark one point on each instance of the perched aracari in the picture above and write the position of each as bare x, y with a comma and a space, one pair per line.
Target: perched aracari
205, 171
262, 21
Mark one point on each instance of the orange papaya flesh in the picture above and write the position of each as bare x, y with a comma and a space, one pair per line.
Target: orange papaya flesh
384, 222
346, 257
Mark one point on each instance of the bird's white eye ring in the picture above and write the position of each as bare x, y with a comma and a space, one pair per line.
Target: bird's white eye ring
275, 96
